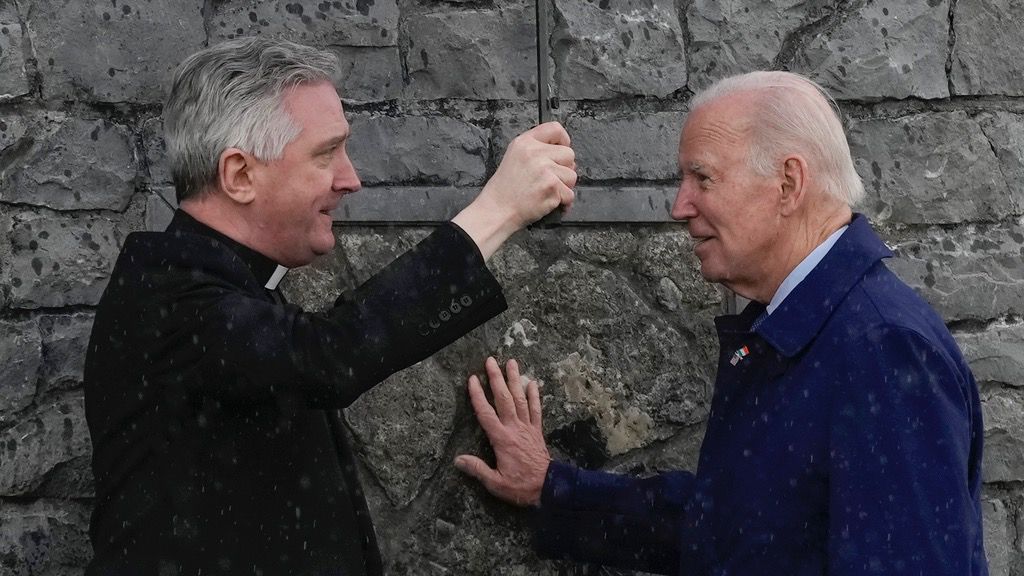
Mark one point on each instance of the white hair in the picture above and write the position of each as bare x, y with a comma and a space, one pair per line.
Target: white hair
231, 96
793, 114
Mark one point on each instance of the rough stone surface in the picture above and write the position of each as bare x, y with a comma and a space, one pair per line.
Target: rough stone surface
989, 47
1003, 413
618, 47
728, 38
602, 247
55, 433
65, 338
160, 207
497, 45
21, 355
46, 537
613, 319
469, 533
973, 273
1005, 132
929, 169
96, 50
998, 541
61, 261
884, 50
640, 146
995, 355
422, 149
402, 426
346, 23
159, 170
669, 255
14, 81
73, 164
509, 121
369, 74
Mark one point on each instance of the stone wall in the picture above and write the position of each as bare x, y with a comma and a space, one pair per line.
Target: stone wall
613, 318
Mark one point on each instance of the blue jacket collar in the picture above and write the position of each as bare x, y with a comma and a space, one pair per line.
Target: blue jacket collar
803, 313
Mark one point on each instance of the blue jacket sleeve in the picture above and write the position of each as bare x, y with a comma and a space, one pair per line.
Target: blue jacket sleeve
611, 519
901, 497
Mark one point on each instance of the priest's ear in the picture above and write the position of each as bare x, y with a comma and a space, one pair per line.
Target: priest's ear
235, 175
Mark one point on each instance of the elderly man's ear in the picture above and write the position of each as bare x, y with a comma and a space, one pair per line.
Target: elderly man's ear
236, 175
794, 185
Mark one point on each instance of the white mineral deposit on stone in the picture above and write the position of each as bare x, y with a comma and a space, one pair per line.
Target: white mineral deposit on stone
518, 332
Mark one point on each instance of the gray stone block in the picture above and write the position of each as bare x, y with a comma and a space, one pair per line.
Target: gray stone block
929, 169
369, 74
402, 426
461, 532
13, 129
610, 362
669, 256
972, 273
1005, 133
728, 38
65, 338
510, 120
60, 261
312, 22
46, 537
602, 246
478, 54
95, 50
995, 355
883, 50
1003, 413
989, 48
72, 164
997, 537
421, 149
160, 207
14, 81
642, 146
156, 152
21, 355
51, 435
618, 47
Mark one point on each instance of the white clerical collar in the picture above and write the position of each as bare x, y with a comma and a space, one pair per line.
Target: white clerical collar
276, 277
803, 269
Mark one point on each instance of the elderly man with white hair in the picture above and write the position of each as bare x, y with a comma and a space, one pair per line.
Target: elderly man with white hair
845, 431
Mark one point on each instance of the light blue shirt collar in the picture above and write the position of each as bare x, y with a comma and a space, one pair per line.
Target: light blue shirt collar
803, 269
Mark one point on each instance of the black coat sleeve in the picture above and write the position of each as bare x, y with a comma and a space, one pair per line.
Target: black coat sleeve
246, 347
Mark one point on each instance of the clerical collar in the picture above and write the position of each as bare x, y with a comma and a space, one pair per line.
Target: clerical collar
263, 268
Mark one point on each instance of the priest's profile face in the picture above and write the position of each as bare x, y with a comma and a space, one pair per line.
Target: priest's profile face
296, 193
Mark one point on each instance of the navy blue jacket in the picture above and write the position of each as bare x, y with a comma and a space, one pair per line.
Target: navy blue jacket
846, 442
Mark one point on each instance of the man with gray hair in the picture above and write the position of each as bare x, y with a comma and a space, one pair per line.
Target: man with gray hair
211, 401
845, 431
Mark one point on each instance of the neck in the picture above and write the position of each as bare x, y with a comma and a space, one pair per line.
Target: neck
801, 236
230, 221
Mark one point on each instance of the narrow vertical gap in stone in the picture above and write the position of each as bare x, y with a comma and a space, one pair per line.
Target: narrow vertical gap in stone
207, 13
950, 44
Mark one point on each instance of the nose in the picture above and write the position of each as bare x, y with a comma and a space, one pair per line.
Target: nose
346, 180
683, 208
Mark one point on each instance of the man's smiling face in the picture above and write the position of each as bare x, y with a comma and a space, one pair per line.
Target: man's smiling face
732, 210
298, 191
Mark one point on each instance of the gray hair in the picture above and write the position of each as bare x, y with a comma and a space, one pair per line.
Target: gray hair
794, 114
231, 96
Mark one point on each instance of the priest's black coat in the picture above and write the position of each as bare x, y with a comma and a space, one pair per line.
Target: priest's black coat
213, 404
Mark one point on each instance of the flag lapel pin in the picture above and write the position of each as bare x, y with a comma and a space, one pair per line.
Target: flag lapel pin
739, 355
